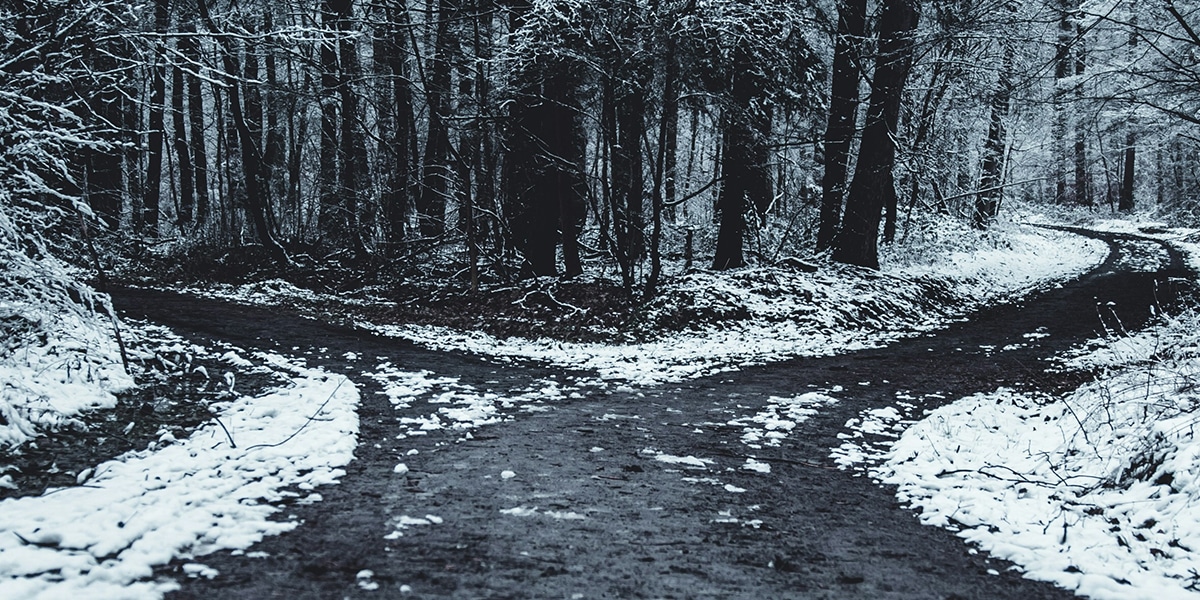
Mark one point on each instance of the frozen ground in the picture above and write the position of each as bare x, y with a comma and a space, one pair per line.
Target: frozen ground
709, 322
189, 497
214, 490
1096, 491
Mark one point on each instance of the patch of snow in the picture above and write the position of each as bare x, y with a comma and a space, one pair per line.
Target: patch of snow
519, 511
756, 466
770, 426
1097, 492
687, 461
211, 491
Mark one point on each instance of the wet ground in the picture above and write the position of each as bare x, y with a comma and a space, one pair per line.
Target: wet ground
598, 517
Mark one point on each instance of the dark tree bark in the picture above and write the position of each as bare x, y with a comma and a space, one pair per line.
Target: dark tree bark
1125, 201
104, 177
190, 50
257, 199
187, 193
858, 241
746, 181
843, 107
987, 202
1062, 70
152, 193
626, 126
544, 187
333, 218
485, 166
354, 177
437, 173
1083, 183
276, 103
397, 129
664, 174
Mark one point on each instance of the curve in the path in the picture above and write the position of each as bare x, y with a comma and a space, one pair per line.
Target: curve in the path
599, 514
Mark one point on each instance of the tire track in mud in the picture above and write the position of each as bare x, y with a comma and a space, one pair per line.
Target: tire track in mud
622, 492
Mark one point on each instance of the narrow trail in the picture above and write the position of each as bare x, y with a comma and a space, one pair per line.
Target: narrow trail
601, 517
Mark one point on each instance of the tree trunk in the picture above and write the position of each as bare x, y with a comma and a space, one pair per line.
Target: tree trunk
1083, 184
664, 184
987, 202
392, 63
628, 184
154, 152
843, 107
437, 173
190, 50
354, 176
187, 194
276, 104
257, 200
1062, 70
545, 191
104, 182
746, 178
858, 241
333, 219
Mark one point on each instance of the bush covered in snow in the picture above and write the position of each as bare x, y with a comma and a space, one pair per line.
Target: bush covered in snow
57, 355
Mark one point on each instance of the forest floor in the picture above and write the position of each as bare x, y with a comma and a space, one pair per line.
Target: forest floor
475, 477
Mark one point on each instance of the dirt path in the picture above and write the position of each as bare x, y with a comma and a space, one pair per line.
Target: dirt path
598, 516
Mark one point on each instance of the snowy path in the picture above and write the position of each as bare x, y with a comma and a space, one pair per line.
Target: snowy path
475, 480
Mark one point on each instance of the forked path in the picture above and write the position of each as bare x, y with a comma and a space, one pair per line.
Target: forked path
592, 507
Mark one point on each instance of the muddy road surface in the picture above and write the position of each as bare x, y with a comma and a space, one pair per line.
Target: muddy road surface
620, 492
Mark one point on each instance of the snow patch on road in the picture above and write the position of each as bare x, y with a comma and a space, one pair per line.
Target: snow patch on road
771, 425
454, 405
215, 490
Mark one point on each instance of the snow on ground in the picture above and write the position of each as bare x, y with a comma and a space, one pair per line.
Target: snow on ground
66, 366
759, 315
780, 313
779, 417
452, 405
214, 490
1097, 492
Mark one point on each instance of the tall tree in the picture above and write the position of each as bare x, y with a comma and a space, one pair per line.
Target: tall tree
354, 177
437, 177
183, 153
148, 220
545, 144
334, 215
189, 50
257, 192
746, 182
987, 202
858, 241
843, 108
397, 135
1125, 202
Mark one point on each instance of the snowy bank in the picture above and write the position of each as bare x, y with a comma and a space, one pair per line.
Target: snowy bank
1098, 491
769, 314
66, 366
185, 498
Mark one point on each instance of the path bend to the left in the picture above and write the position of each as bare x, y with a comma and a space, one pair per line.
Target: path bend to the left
599, 517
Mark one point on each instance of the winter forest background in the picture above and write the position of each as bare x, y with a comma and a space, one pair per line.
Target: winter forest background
497, 140
514, 214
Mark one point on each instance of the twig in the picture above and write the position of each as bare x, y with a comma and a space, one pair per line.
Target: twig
310, 419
